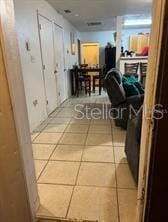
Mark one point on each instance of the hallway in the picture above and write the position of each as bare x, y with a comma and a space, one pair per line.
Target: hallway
81, 167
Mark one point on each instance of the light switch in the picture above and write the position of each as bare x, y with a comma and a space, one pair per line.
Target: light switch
33, 59
27, 46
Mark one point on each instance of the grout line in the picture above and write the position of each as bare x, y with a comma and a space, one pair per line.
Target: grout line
42, 171
93, 186
77, 161
38, 133
118, 207
77, 175
46, 164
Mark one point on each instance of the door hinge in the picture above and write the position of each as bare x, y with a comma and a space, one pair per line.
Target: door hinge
44, 67
40, 26
47, 102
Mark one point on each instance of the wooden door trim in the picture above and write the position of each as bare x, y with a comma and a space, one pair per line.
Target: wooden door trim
8, 38
149, 102
156, 207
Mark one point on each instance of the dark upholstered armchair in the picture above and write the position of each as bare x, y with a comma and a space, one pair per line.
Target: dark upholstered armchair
120, 103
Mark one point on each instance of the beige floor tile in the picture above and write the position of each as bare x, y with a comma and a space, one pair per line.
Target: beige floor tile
113, 123
124, 177
97, 174
53, 114
65, 114
55, 128
99, 140
67, 105
119, 153
127, 205
42, 125
54, 200
95, 204
105, 129
119, 137
118, 130
39, 166
34, 135
59, 120
42, 151
48, 138
57, 172
95, 197
76, 128
68, 153
68, 109
73, 139
98, 154
80, 121
101, 121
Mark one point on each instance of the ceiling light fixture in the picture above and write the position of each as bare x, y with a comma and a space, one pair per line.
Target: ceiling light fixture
76, 15
137, 22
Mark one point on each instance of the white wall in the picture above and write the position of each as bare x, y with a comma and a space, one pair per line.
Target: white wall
101, 37
126, 35
27, 29
107, 36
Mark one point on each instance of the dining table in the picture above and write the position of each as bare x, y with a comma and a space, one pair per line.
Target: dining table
75, 72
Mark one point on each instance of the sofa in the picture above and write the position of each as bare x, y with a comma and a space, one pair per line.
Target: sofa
132, 144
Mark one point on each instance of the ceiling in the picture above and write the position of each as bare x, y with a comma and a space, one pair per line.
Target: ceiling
105, 11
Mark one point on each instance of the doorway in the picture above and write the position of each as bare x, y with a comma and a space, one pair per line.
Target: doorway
90, 53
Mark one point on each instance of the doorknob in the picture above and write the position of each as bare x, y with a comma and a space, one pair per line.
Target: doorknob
55, 72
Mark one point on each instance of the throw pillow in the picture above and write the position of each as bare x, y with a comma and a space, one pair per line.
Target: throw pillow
129, 87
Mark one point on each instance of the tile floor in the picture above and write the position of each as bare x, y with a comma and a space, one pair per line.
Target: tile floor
82, 171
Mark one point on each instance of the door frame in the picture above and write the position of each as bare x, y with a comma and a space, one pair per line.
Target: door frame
63, 45
79, 51
18, 100
42, 63
156, 207
20, 154
149, 103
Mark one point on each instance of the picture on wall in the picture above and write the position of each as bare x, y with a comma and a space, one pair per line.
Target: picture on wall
73, 45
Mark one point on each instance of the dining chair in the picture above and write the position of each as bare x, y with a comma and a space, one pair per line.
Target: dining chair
80, 80
131, 68
143, 71
98, 80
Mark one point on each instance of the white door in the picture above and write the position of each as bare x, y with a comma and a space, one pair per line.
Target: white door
59, 63
47, 47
